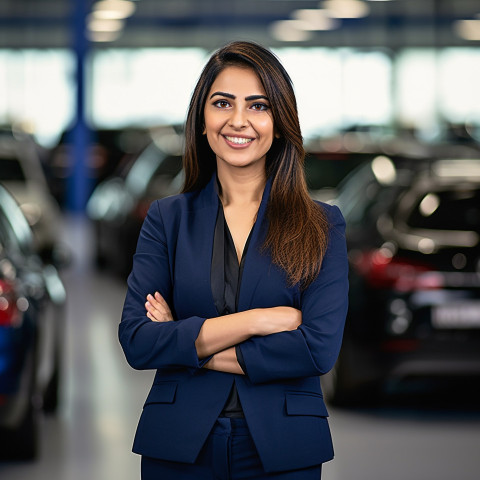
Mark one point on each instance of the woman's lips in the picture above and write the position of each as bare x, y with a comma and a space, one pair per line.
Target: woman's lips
238, 142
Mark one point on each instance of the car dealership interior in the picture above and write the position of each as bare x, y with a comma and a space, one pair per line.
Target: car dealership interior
93, 102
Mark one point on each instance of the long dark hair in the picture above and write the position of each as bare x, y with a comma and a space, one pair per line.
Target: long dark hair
298, 227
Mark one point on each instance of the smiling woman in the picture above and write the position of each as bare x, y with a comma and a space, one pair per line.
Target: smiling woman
238, 120
238, 292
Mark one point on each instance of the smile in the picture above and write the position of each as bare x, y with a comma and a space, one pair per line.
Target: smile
238, 140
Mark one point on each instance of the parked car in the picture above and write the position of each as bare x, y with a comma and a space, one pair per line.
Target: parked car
119, 205
413, 235
32, 301
22, 174
107, 150
325, 170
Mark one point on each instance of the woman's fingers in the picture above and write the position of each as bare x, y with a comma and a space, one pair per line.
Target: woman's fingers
157, 308
153, 313
161, 301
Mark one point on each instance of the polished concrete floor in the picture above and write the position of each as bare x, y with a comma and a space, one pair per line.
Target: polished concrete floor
407, 437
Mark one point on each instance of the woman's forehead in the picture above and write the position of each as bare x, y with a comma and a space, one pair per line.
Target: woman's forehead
238, 80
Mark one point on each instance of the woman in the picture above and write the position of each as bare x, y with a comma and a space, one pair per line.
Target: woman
238, 292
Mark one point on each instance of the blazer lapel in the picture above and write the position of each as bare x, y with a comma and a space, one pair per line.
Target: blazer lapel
256, 265
193, 256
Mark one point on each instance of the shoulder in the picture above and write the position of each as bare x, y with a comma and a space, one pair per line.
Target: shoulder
333, 213
169, 205
175, 205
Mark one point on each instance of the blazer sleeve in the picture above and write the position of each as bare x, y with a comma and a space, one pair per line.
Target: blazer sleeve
148, 344
313, 348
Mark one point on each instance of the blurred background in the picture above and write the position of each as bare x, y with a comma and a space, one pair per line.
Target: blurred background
93, 96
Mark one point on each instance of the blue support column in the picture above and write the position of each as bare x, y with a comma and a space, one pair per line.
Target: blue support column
79, 182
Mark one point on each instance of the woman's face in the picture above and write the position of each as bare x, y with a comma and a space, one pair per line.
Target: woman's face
238, 120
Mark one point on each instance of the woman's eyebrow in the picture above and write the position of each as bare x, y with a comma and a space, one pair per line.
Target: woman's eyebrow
255, 97
233, 97
223, 94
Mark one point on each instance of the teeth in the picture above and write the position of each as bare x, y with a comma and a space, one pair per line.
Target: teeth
238, 140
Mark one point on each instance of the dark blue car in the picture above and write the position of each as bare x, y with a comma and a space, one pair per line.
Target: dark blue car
32, 299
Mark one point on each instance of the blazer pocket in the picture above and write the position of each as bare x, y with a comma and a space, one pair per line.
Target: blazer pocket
162, 392
298, 403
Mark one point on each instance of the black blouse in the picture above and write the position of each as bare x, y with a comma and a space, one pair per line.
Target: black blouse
225, 279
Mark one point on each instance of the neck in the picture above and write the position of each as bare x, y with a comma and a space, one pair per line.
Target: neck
241, 188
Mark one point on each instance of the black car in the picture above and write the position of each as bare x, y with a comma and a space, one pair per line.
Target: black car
107, 148
413, 234
118, 205
32, 301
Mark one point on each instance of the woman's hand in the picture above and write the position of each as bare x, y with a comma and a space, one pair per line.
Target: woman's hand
277, 319
158, 309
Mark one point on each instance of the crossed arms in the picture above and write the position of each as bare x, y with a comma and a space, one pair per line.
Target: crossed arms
275, 343
218, 335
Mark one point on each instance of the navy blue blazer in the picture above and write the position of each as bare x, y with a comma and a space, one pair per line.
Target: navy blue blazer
280, 394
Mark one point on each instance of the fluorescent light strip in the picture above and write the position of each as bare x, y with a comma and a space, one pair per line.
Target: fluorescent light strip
468, 29
346, 8
113, 9
315, 19
290, 31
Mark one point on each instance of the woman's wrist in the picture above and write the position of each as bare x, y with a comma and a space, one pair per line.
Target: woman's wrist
225, 361
255, 321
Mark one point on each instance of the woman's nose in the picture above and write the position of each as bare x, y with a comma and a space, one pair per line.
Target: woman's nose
238, 119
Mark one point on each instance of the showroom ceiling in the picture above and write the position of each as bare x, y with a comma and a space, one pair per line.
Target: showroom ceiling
210, 23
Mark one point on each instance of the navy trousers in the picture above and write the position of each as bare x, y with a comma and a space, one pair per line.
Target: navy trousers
228, 454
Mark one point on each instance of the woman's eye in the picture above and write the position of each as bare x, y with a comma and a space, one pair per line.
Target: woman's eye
221, 104
259, 107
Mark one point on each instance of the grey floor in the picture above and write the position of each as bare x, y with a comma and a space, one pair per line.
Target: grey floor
90, 438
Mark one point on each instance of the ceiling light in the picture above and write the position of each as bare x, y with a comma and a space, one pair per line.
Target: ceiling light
290, 31
113, 9
315, 19
346, 8
384, 170
429, 204
468, 29
102, 25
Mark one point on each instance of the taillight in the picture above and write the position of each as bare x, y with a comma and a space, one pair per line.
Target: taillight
9, 313
382, 270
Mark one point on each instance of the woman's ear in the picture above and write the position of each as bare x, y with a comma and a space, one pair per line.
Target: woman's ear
277, 134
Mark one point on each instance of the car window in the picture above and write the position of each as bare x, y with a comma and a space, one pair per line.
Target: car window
160, 184
355, 193
452, 209
170, 166
328, 172
152, 161
11, 169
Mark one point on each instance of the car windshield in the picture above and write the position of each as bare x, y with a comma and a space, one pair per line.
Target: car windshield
152, 161
356, 194
15, 232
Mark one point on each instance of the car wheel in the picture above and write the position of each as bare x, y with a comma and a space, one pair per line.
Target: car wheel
50, 398
344, 388
52, 391
21, 443
100, 260
334, 385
